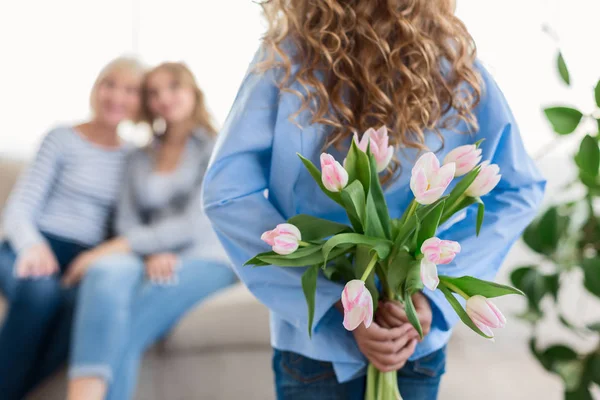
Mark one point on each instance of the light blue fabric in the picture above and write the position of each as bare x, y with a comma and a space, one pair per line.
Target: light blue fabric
256, 154
120, 314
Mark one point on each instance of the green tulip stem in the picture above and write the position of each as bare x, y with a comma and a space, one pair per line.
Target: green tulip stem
303, 244
456, 290
369, 268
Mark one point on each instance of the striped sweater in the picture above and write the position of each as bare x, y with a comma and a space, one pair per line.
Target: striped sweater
69, 190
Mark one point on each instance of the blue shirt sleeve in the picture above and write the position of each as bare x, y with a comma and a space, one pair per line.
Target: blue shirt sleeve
509, 208
235, 201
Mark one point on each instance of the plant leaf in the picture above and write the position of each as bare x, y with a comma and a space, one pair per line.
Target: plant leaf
460, 311
411, 313
310, 259
532, 283
358, 167
376, 193
313, 228
353, 199
381, 246
398, 267
429, 225
373, 225
316, 174
564, 120
591, 271
413, 282
473, 286
544, 234
480, 215
408, 228
594, 327
588, 157
309, 287
597, 95
562, 69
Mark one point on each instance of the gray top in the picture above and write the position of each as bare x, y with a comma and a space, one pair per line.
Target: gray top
69, 190
162, 212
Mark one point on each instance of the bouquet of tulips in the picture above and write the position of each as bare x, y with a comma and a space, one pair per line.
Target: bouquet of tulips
379, 257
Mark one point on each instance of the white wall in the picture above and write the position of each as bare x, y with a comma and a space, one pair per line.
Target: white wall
51, 52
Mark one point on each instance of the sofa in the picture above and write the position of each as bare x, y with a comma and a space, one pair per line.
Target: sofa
220, 351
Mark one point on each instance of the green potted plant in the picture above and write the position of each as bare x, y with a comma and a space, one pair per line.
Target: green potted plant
567, 241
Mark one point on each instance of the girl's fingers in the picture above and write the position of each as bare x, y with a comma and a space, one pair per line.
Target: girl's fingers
401, 357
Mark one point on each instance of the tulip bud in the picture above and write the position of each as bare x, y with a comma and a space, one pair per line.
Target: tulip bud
465, 157
488, 178
428, 181
333, 175
358, 305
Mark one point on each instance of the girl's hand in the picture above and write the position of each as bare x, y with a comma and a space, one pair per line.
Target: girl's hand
83, 261
387, 349
36, 261
160, 268
391, 314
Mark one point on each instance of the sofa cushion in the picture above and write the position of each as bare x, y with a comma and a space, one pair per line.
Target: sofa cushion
10, 172
230, 318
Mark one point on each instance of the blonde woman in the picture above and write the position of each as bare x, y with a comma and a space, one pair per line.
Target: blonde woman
59, 208
166, 257
327, 69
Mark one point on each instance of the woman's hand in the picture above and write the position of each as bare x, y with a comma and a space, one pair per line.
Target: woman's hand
387, 349
36, 261
83, 261
391, 314
160, 268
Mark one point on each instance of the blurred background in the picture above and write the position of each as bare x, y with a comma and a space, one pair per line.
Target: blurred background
52, 51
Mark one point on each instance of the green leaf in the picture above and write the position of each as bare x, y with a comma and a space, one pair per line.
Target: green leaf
309, 287
313, 228
376, 194
571, 373
562, 69
461, 187
594, 368
429, 225
480, 214
398, 267
373, 224
588, 157
564, 120
591, 271
460, 311
408, 228
582, 393
597, 95
358, 167
380, 246
553, 285
340, 270
544, 234
472, 286
363, 257
353, 199
532, 283
594, 327
256, 259
413, 282
304, 260
316, 174
411, 313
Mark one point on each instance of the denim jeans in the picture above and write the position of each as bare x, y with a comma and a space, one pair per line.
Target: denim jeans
301, 378
120, 313
34, 337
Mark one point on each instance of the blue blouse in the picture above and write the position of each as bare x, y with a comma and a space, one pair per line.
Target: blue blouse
256, 181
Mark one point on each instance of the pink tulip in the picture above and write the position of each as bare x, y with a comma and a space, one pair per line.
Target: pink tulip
333, 175
428, 181
284, 239
429, 274
440, 251
358, 305
465, 157
487, 179
485, 314
380, 148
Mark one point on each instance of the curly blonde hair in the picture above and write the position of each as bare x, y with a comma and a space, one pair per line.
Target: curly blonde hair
405, 64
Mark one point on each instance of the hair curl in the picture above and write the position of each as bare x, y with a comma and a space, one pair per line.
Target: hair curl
404, 64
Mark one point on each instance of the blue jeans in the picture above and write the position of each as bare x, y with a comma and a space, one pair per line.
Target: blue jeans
301, 378
120, 313
34, 338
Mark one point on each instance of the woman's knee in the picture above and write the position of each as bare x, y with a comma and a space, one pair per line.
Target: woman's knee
112, 276
37, 293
